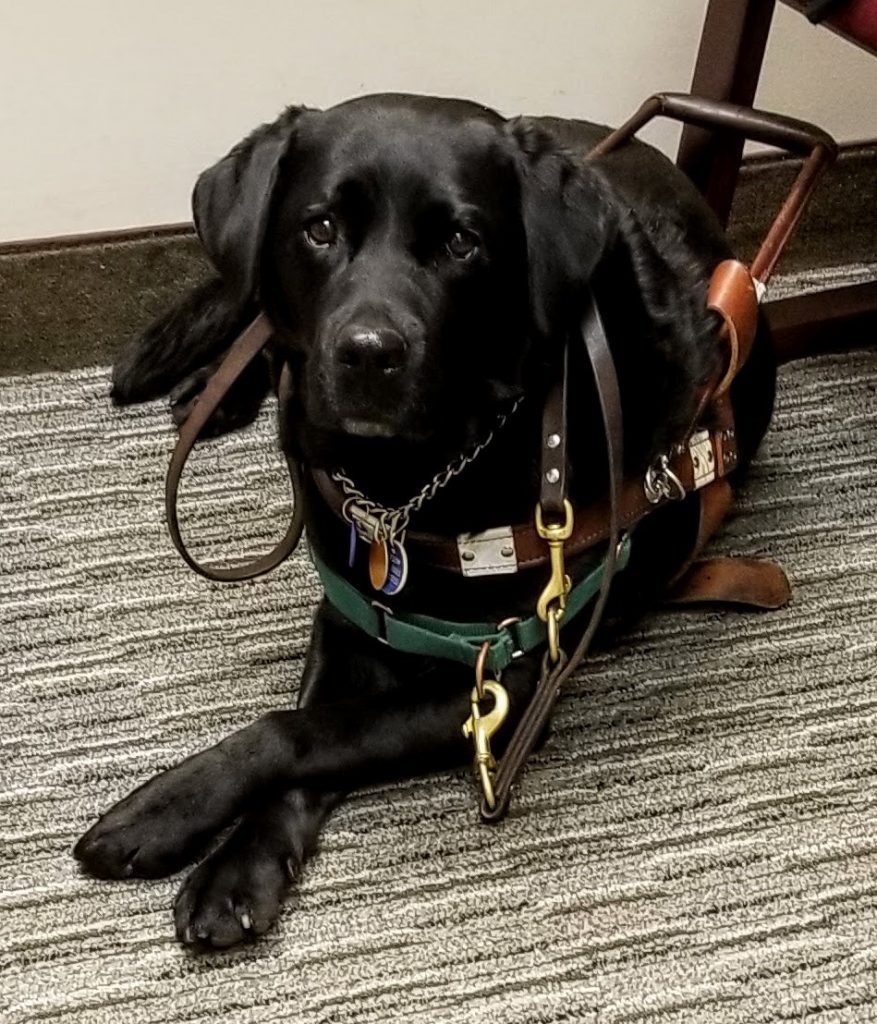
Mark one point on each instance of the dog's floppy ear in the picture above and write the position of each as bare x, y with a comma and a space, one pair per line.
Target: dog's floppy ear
569, 222
232, 200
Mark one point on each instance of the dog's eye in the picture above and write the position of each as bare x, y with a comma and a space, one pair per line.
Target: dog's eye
321, 231
462, 244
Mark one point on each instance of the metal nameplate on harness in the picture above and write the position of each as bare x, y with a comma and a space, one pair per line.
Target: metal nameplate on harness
703, 459
489, 553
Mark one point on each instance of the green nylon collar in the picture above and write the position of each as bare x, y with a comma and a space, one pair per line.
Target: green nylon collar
456, 641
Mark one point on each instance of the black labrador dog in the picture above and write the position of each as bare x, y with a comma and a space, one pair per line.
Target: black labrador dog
423, 262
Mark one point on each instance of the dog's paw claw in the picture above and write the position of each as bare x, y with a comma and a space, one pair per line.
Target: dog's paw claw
104, 855
232, 897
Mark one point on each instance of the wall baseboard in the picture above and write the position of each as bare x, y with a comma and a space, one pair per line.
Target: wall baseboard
73, 305
71, 301
141, 234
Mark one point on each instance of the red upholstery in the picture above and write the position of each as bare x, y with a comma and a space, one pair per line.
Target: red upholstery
855, 20
858, 22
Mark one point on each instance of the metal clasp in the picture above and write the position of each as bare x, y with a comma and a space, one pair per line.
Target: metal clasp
489, 553
661, 482
482, 728
552, 601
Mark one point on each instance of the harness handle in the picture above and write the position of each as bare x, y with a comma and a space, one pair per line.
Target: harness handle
788, 133
240, 355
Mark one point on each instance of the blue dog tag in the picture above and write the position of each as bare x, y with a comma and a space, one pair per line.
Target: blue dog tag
397, 570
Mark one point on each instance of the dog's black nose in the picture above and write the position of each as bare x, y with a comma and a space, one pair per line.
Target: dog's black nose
370, 349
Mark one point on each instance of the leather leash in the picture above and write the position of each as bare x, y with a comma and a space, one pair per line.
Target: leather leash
552, 497
240, 355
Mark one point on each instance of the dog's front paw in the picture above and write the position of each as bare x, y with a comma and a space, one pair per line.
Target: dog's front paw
162, 826
234, 896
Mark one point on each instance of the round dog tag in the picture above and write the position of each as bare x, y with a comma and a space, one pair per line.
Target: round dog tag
378, 563
397, 573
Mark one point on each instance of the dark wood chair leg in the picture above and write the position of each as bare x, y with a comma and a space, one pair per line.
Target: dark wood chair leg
728, 64
826, 321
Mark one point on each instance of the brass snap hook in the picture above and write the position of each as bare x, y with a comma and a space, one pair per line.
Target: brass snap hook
552, 601
482, 728
559, 583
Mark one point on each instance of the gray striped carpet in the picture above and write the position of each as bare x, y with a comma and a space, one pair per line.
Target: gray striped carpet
698, 842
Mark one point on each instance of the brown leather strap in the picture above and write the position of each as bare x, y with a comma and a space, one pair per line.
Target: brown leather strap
591, 523
715, 503
745, 582
552, 487
748, 582
733, 296
242, 352
553, 677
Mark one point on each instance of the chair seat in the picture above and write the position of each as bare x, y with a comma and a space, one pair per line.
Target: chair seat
855, 20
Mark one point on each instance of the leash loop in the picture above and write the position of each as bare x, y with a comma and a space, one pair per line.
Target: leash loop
245, 349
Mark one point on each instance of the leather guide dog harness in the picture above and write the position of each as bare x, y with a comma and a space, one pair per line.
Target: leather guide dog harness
698, 464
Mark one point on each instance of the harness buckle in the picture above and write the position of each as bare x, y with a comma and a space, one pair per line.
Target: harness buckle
507, 625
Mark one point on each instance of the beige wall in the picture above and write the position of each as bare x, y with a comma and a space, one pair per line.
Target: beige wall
111, 107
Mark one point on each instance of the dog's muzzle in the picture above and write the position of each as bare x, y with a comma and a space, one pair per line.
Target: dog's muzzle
367, 370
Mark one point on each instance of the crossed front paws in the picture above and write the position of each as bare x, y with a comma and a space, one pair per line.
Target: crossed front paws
235, 894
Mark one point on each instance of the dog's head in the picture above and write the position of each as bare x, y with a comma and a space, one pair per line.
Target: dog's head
416, 255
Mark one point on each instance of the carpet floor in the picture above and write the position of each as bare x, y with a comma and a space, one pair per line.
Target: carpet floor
697, 842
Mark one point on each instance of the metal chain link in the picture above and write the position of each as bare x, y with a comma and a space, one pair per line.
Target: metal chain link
393, 522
